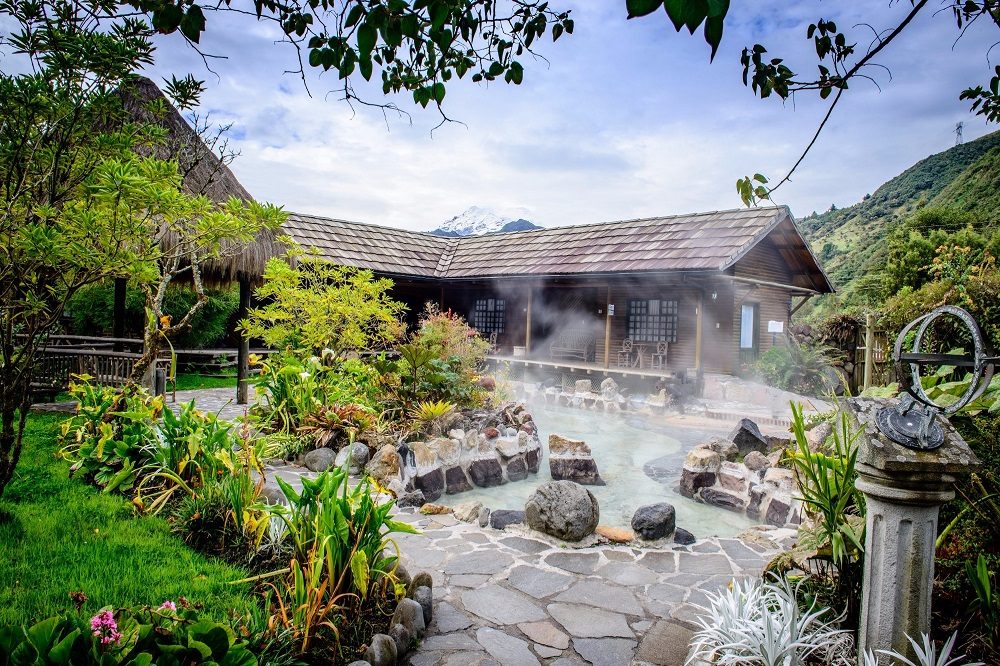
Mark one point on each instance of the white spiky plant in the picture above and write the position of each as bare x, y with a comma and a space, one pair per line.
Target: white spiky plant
926, 654
761, 624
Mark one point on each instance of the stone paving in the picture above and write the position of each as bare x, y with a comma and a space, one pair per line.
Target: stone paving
517, 598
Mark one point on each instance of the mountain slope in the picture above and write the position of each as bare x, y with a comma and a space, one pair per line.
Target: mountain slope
479, 220
851, 241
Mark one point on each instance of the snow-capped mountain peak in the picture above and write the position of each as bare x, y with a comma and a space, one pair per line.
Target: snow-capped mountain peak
478, 220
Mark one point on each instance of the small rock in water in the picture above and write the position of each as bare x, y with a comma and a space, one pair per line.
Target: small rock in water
682, 537
616, 534
654, 521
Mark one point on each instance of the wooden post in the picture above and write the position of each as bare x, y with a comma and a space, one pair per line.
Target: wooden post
698, 332
118, 325
243, 351
869, 355
607, 329
527, 327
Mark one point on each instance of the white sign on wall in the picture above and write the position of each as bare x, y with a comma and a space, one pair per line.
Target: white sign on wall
775, 327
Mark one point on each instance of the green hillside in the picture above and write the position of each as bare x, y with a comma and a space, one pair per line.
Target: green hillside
851, 241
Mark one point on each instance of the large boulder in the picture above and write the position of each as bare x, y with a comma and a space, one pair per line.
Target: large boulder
486, 472
356, 456
563, 509
747, 437
385, 465
654, 521
532, 458
726, 449
517, 469
320, 460
448, 450
700, 470
564, 446
733, 476
581, 469
430, 482
455, 480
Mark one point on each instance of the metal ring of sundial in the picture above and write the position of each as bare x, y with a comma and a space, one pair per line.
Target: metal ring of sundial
912, 422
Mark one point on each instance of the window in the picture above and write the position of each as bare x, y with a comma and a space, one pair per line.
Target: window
488, 315
652, 321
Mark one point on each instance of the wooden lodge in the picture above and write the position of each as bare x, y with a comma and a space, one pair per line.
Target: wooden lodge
703, 292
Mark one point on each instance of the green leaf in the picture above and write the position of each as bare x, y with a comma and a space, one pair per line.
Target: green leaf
193, 23
360, 571
61, 652
367, 34
675, 10
638, 8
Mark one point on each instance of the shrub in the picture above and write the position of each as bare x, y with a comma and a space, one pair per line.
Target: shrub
451, 337
171, 634
796, 367
91, 311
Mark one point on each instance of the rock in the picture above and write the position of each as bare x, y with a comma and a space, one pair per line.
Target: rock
781, 478
724, 447
563, 509
501, 518
409, 614
414, 498
455, 480
431, 483
430, 509
320, 460
448, 450
778, 509
508, 448
616, 534
757, 493
578, 468
533, 459
355, 456
546, 633
385, 465
692, 481
491, 433
755, 461
487, 383
583, 386
517, 469
722, 499
778, 443
609, 388
273, 494
733, 476
682, 537
381, 651
457, 433
423, 456
564, 446
422, 579
818, 435
747, 437
484, 516
402, 574
468, 512
423, 596
403, 639
703, 460
359, 662
528, 428
486, 472
774, 458
654, 521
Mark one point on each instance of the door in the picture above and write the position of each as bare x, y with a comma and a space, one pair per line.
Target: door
749, 333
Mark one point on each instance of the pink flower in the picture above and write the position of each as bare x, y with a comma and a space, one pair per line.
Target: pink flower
105, 628
169, 606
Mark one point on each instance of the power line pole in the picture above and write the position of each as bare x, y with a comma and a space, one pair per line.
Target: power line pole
958, 133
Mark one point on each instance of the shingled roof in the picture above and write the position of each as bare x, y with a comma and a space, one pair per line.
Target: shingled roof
710, 242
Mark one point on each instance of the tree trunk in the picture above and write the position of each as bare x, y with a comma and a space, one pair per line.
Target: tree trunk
243, 351
14, 404
144, 370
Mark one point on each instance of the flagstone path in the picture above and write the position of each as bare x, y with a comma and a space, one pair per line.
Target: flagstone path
516, 598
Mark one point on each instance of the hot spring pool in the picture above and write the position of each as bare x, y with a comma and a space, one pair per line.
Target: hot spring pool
640, 460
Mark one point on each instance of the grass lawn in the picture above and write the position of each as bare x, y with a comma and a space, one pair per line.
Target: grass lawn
59, 535
187, 381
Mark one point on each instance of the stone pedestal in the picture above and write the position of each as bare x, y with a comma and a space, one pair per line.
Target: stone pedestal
903, 489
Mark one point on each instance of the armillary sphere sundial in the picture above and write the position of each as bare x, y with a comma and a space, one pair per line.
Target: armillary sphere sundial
913, 421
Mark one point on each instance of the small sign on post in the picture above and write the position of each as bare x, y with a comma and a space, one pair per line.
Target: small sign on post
775, 326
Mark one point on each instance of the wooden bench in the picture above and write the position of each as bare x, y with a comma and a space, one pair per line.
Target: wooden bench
573, 345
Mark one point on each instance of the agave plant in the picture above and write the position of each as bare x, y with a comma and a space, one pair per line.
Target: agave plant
926, 654
333, 420
431, 415
753, 622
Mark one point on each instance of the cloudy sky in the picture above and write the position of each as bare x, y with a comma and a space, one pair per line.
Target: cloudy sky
626, 119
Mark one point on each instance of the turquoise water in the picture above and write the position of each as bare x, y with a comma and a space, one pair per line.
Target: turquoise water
630, 452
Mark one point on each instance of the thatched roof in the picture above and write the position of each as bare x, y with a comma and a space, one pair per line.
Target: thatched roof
707, 242
204, 173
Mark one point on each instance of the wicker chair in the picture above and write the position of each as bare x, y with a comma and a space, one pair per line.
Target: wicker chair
658, 359
625, 354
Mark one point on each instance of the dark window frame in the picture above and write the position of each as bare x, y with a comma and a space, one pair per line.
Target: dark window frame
489, 315
647, 322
